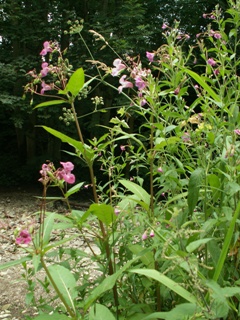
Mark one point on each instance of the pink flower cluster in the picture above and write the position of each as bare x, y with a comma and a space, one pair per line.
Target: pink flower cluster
50, 174
24, 237
137, 74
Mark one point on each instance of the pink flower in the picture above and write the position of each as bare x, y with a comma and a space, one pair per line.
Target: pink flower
67, 166
124, 84
204, 15
46, 48
160, 170
186, 137
217, 35
150, 56
65, 172
164, 26
45, 87
118, 67
140, 83
152, 234
176, 91
45, 69
68, 177
216, 72
24, 237
143, 102
144, 236
117, 211
122, 148
237, 131
211, 62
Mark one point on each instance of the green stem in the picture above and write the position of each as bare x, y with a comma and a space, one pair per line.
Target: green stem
95, 196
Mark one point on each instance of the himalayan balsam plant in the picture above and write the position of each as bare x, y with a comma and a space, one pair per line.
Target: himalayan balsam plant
162, 231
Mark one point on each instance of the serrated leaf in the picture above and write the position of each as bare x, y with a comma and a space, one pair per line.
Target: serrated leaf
65, 282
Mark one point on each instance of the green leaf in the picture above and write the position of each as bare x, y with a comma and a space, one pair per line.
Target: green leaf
196, 244
74, 143
75, 83
100, 312
103, 212
203, 84
181, 311
137, 190
172, 285
74, 189
14, 263
50, 103
106, 285
60, 242
65, 282
54, 316
193, 188
147, 258
48, 226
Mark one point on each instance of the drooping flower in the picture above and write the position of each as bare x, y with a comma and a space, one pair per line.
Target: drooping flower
118, 67
45, 69
164, 26
24, 237
211, 62
45, 87
124, 84
122, 148
150, 56
160, 170
46, 48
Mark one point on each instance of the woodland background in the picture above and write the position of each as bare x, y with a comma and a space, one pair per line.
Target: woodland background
131, 27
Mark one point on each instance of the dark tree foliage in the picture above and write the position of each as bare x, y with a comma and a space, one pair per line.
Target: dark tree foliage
130, 26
